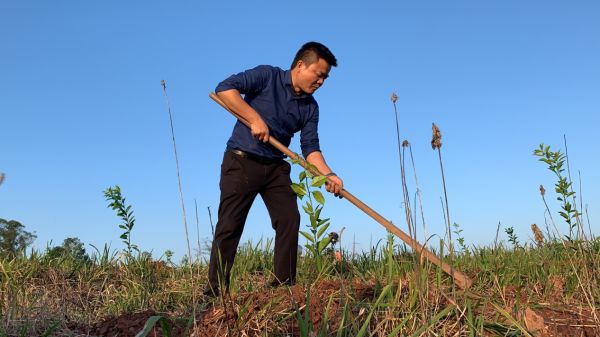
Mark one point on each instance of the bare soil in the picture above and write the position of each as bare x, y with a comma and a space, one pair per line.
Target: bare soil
272, 312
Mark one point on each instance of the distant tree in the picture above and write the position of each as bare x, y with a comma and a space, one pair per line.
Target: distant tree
13, 237
70, 247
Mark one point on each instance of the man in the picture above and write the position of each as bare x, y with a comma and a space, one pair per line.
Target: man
277, 103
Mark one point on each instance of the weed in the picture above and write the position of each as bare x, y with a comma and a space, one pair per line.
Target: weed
563, 187
318, 240
459, 238
512, 237
124, 211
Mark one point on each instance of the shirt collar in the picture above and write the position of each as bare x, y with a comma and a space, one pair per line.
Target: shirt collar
287, 79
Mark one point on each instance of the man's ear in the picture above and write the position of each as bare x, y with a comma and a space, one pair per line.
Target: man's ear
300, 64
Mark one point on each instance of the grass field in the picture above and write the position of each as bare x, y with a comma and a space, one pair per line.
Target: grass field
548, 288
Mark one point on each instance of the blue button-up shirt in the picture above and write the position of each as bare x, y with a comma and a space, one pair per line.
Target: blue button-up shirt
269, 91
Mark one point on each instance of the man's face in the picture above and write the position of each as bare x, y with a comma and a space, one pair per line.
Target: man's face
311, 77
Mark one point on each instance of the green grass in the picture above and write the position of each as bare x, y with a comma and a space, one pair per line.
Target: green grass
40, 293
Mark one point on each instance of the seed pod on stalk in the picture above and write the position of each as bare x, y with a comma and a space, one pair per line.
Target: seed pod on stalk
436, 139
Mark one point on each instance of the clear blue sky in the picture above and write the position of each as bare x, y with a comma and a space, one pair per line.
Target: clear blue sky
81, 109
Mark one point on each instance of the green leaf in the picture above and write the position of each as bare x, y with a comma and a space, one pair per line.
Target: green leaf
164, 324
341, 328
445, 312
188, 326
302, 176
365, 325
323, 243
310, 167
148, 326
514, 321
304, 324
299, 189
319, 197
307, 236
308, 208
318, 181
318, 211
313, 222
322, 230
51, 329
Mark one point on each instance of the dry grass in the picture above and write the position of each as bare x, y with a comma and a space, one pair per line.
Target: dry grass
510, 285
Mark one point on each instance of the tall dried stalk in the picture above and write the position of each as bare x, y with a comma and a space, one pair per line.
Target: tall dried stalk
411, 225
580, 231
436, 144
419, 194
185, 226
543, 194
412, 230
198, 235
212, 227
405, 194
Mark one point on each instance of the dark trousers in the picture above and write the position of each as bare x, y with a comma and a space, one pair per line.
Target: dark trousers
242, 179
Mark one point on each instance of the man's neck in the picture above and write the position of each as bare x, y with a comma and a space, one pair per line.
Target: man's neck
296, 90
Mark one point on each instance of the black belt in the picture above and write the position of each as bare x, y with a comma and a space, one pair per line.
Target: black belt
254, 157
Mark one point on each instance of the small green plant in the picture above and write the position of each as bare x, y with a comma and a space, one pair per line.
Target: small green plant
459, 238
317, 238
555, 161
512, 237
304, 323
169, 256
124, 211
389, 256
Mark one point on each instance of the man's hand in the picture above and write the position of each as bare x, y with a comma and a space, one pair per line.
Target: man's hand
259, 129
334, 185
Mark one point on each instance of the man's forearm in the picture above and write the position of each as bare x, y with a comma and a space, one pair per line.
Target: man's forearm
316, 158
233, 99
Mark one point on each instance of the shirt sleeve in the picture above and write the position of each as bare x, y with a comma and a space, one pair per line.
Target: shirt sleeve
251, 81
309, 135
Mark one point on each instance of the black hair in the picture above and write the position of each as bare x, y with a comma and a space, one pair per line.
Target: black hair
310, 52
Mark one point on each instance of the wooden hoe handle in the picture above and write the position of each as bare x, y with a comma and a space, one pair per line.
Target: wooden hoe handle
460, 279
